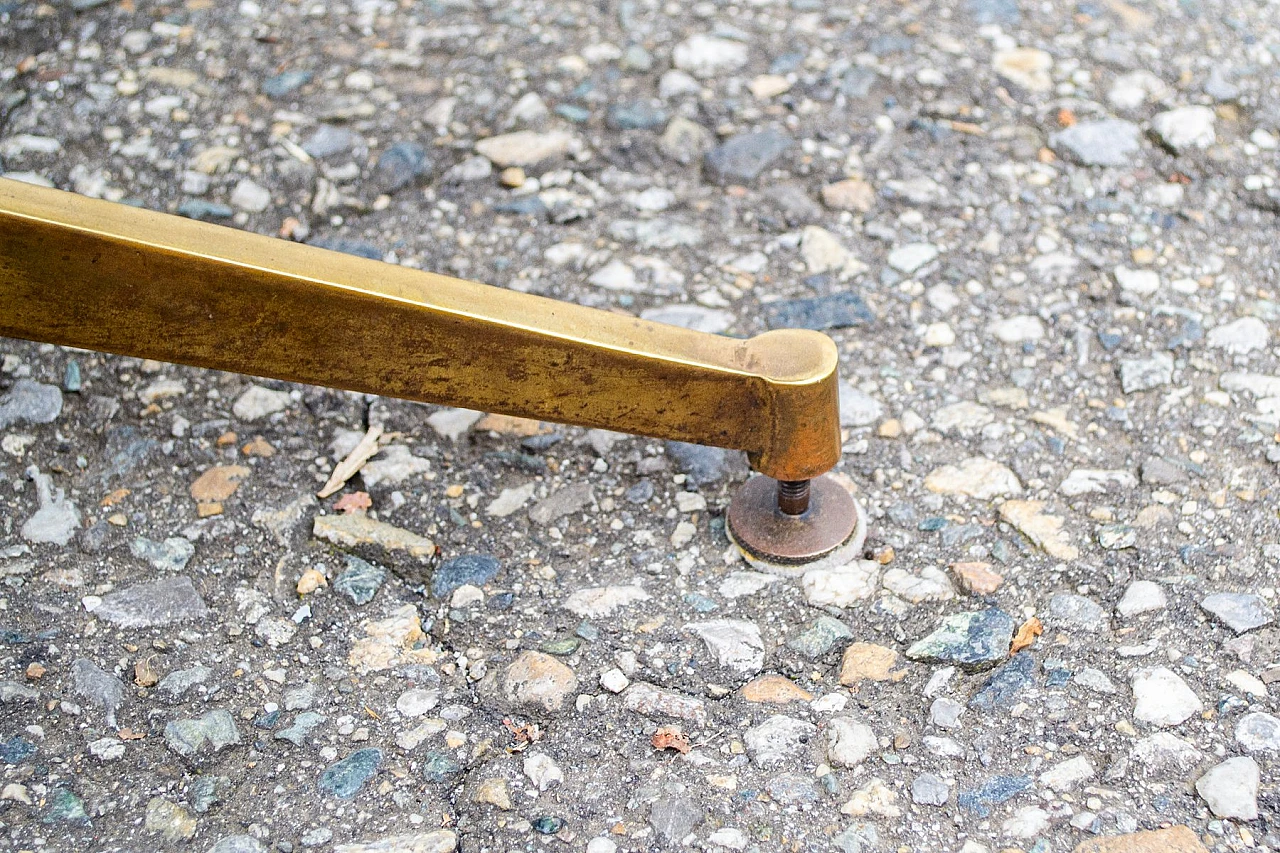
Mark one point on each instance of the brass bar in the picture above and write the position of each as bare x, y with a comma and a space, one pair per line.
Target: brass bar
108, 277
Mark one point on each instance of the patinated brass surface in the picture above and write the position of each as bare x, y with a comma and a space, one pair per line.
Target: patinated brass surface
108, 277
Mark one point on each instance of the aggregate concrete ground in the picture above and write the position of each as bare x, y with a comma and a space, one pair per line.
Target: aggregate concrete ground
1043, 238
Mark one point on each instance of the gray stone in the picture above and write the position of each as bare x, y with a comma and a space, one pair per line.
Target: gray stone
911, 257
1157, 471
343, 779
327, 140
1095, 680
858, 837
393, 465
171, 555
685, 140
849, 742
945, 712
1231, 788
303, 724
1162, 698
565, 501
673, 818
1258, 732
30, 402
300, 698
98, 687
1165, 755
735, 643
12, 693
257, 402
709, 56
400, 165
1076, 611
1141, 597
973, 641
1239, 611
238, 844
703, 465
1143, 374
1185, 128
1108, 142
792, 788
175, 685
1239, 337
153, 604
360, 580
210, 732
778, 739
929, 790
820, 637
858, 408
659, 233
57, 519
699, 319
250, 196
743, 158
479, 569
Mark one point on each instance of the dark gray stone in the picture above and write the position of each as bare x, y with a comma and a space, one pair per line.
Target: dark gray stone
837, 311
1004, 685
400, 165
198, 208
285, 83
703, 465
360, 581
98, 687
343, 779
743, 158
673, 818
208, 733
474, 569
635, 116
820, 637
973, 641
152, 604
996, 790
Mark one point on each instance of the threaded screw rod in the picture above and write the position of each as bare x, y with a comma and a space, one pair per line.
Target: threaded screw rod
793, 496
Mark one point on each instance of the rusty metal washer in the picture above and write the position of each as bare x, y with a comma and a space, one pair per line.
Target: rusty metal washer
789, 544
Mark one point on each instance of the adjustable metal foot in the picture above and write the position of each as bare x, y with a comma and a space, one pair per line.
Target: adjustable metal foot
789, 527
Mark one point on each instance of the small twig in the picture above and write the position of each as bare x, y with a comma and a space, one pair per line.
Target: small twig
355, 460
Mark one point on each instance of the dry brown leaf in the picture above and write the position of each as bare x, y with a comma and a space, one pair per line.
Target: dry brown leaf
670, 737
144, 671
130, 734
1026, 635
355, 460
524, 734
353, 502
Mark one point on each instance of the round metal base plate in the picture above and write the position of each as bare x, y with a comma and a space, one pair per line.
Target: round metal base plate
833, 527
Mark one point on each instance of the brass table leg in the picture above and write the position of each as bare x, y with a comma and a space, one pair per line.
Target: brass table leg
90, 274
